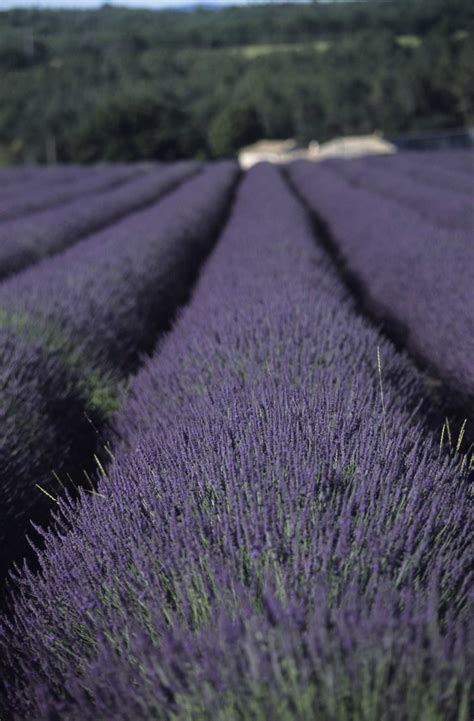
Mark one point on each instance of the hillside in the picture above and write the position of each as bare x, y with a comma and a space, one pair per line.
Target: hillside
126, 85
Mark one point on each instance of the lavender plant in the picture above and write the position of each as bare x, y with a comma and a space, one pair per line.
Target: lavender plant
446, 207
458, 161
277, 537
15, 178
79, 323
414, 273
436, 169
41, 194
26, 240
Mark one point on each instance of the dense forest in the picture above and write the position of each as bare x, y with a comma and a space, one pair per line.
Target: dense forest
123, 84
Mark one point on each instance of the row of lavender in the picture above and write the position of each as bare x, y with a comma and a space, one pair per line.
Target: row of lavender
405, 230
14, 178
44, 192
31, 237
277, 538
451, 170
75, 325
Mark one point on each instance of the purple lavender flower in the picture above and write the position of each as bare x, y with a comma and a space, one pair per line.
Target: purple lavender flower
272, 540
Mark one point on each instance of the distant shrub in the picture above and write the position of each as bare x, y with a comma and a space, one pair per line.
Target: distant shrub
134, 127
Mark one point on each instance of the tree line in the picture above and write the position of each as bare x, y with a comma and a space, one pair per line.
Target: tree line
121, 84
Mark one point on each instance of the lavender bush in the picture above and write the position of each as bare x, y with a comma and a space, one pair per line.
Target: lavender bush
41, 195
26, 240
15, 178
415, 273
277, 537
458, 161
43, 423
446, 207
433, 169
79, 322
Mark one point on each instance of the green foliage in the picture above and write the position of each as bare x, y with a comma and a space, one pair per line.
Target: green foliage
296, 699
234, 127
133, 127
125, 85
101, 393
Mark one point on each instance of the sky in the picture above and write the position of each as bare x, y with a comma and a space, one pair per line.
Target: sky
6, 4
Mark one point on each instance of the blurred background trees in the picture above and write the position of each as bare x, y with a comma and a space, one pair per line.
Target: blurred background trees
125, 85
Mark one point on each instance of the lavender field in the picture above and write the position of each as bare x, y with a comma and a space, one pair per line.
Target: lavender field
236, 460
